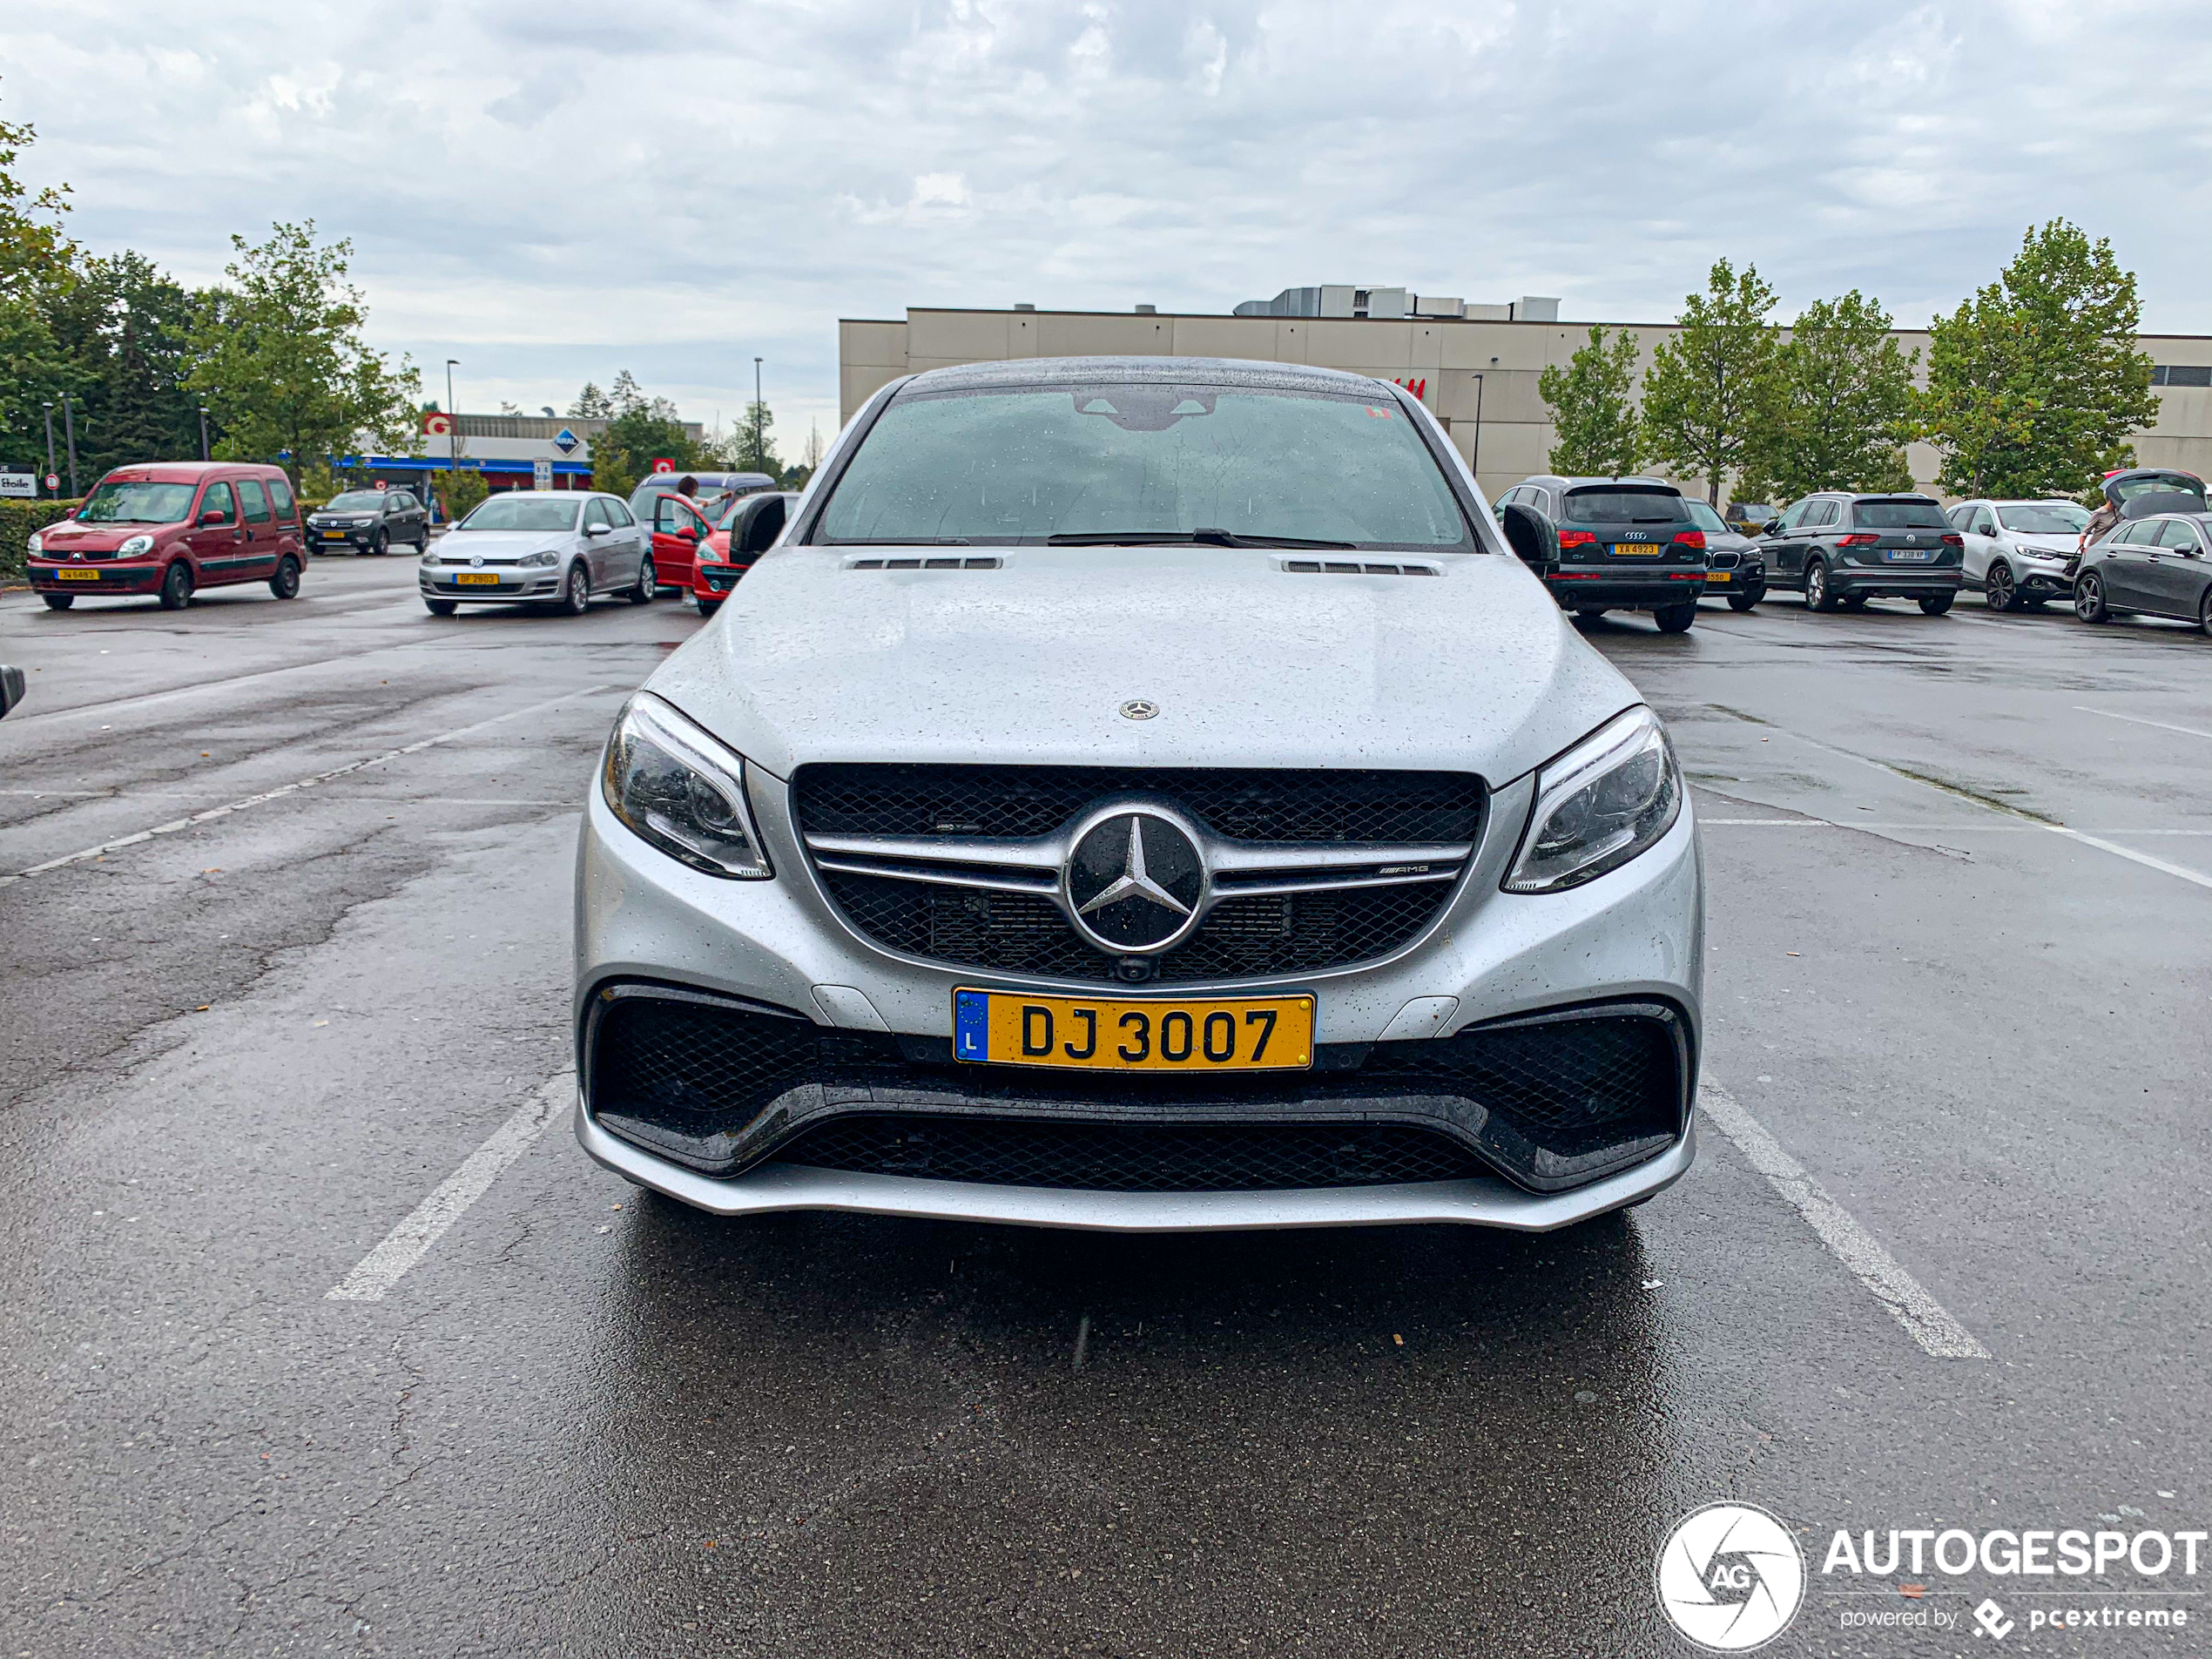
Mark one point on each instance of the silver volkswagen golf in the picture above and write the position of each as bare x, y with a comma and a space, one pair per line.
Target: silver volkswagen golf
1144, 794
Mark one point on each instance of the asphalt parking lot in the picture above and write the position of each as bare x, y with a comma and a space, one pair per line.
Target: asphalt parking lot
1942, 1259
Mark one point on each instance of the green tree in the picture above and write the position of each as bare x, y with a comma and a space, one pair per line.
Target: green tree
1593, 408
38, 266
755, 446
125, 328
281, 359
1710, 389
1843, 405
592, 404
2035, 383
645, 433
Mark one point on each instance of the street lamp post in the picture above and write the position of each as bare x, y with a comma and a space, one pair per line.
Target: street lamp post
453, 438
202, 432
50, 441
760, 449
69, 434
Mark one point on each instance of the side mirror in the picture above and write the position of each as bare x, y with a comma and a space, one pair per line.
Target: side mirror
598, 529
1532, 537
214, 515
1773, 528
690, 533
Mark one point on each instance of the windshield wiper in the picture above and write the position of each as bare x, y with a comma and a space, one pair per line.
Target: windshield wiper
901, 541
1208, 537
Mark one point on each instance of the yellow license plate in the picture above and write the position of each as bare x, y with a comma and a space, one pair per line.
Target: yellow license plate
1637, 550
1717, 575
1104, 1034
477, 579
67, 575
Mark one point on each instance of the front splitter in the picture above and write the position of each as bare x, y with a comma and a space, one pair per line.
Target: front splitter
1484, 1202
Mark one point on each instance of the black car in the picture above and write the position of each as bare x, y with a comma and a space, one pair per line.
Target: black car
1840, 549
1735, 565
1749, 517
2160, 566
11, 687
368, 521
1624, 545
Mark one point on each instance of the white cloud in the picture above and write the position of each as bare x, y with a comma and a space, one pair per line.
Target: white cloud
553, 193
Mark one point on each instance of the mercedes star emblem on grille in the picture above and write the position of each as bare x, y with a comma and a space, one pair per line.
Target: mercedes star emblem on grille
1137, 709
1135, 882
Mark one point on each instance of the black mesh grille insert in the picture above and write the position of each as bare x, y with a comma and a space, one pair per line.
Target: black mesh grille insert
1551, 1102
1240, 938
1244, 805
1123, 1157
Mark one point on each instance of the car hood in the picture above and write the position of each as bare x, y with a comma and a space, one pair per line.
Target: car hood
1247, 664
500, 544
1729, 541
67, 535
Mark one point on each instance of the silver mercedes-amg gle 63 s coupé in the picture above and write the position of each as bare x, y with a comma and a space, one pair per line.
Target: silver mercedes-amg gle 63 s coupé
1141, 793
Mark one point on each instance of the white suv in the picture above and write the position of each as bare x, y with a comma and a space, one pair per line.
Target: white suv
2017, 551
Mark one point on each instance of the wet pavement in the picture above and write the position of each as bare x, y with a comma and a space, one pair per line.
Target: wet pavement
1960, 871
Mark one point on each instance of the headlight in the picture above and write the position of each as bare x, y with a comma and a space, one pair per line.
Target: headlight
135, 545
35, 545
428, 557
682, 791
1607, 798
544, 556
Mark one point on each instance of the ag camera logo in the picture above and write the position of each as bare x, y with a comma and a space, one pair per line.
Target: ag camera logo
1730, 1577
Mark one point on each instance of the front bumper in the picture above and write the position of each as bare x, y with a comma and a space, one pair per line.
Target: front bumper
712, 581
1484, 1202
329, 540
1634, 935
514, 584
103, 576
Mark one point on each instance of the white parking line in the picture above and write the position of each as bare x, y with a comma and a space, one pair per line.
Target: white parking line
426, 1224
176, 824
1924, 1320
2137, 719
2144, 859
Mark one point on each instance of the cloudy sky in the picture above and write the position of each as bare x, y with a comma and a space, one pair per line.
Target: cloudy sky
552, 192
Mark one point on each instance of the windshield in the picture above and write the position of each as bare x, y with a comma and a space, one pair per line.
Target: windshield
521, 513
354, 501
1146, 459
1899, 515
1706, 519
2045, 518
1610, 504
1753, 513
118, 502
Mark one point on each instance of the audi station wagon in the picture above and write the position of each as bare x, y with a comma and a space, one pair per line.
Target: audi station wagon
1140, 795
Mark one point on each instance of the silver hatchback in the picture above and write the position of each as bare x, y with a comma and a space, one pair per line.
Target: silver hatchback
558, 547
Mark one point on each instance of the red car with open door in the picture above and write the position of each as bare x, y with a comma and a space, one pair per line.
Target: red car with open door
678, 526
172, 527
748, 528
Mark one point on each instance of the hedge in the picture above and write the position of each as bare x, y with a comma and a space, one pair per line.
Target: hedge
17, 520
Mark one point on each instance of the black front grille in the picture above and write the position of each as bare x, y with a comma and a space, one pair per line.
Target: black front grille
1242, 937
1552, 1100
1126, 1157
1020, 932
1240, 804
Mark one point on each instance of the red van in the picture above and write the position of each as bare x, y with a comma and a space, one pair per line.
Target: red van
172, 527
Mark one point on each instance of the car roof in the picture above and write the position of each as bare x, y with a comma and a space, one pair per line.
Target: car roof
1045, 372
182, 472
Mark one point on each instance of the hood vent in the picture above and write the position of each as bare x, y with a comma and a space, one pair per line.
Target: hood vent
1347, 567
924, 564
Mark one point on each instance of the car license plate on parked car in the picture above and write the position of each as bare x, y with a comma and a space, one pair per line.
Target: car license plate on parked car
333, 536
1912, 554
79, 575
477, 579
1101, 1034
1637, 550
1718, 576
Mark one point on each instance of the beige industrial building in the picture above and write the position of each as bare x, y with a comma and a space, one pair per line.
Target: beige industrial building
1475, 368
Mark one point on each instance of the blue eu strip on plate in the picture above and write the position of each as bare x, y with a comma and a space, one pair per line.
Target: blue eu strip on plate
972, 1025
